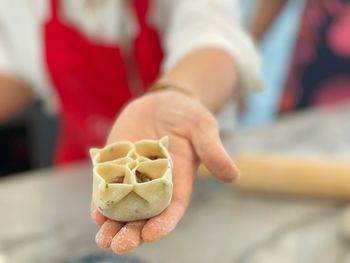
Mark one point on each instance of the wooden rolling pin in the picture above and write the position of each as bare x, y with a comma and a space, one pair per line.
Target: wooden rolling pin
293, 175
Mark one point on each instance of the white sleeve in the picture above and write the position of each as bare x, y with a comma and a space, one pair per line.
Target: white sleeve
6, 64
18, 48
212, 23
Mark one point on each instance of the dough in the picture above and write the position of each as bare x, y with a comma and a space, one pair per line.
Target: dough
132, 181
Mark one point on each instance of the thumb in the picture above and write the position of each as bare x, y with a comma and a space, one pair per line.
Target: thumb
210, 150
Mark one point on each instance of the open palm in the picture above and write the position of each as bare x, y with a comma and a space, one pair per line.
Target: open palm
193, 137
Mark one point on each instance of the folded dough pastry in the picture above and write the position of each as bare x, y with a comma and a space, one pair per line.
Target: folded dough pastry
132, 181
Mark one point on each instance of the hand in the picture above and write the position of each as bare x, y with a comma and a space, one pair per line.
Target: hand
193, 137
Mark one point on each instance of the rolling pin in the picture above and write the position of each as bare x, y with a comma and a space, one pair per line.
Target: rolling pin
310, 176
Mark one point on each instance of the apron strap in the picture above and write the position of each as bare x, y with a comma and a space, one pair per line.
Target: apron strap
147, 45
141, 8
54, 9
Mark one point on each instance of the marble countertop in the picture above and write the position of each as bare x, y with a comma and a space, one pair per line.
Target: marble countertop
45, 214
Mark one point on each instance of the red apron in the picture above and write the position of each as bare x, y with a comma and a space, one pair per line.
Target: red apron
91, 80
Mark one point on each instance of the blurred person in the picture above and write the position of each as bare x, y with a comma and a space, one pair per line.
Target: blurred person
90, 58
275, 47
319, 73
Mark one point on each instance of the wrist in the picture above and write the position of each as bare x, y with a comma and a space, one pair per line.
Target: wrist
164, 85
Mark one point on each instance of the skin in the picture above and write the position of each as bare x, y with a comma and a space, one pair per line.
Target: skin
14, 96
193, 138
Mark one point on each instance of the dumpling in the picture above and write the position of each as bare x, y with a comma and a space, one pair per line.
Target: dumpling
132, 181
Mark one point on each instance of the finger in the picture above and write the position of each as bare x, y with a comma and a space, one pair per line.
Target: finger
209, 148
129, 237
96, 217
161, 225
106, 233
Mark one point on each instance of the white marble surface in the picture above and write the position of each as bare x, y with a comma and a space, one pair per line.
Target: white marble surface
324, 132
44, 214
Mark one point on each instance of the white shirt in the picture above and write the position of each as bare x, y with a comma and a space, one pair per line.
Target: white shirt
184, 25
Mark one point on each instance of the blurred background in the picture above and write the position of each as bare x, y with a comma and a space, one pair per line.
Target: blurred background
275, 41
291, 142
28, 142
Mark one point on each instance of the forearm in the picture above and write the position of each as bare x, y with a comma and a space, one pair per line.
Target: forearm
264, 15
209, 74
14, 95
